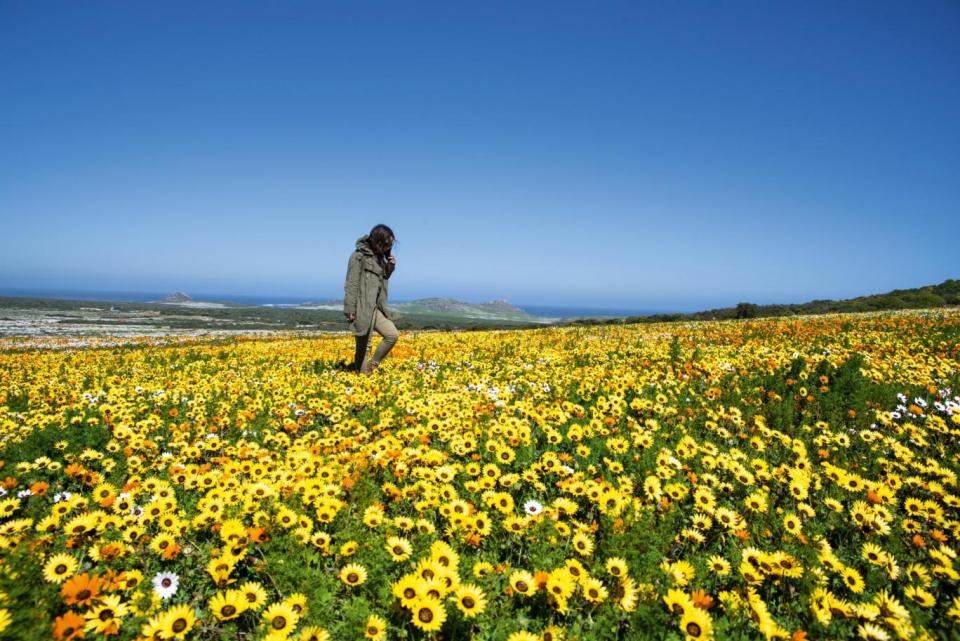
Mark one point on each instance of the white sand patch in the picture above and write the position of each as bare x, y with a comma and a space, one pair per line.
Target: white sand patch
196, 304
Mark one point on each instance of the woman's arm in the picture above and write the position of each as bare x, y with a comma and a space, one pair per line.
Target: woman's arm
351, 286
390, 266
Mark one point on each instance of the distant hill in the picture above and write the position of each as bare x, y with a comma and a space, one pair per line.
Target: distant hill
945, 294
448, 309
177, 297
499, 309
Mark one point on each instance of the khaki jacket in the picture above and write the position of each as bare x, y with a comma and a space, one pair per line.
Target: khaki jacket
365, 288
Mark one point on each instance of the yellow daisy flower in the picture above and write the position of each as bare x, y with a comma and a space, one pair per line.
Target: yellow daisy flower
376, 628
59, 568
280, 619
399, 548
522, 582
177, 622
353, 574
470, 600
428, 614
228, 605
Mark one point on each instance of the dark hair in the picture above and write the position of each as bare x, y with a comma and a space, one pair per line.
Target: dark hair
380, 238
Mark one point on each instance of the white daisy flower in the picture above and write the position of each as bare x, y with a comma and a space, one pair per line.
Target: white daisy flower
165, 584
532, 507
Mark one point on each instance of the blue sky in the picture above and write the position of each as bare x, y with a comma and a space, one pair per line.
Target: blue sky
648, 156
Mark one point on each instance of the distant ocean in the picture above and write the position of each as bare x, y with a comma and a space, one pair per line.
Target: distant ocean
548, 311
145, 297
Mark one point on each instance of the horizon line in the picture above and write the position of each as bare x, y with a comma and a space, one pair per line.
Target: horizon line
209, 297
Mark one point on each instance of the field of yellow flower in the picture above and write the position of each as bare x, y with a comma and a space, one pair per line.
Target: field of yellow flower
732, 480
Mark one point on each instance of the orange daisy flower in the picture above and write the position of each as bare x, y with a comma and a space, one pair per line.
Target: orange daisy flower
81, 589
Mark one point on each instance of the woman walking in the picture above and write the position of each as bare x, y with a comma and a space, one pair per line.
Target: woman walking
365, 296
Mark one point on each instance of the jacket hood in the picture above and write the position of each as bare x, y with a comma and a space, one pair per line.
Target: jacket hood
363, 246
